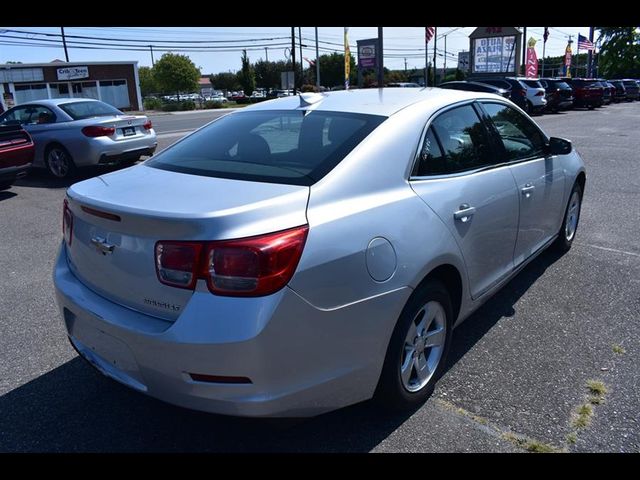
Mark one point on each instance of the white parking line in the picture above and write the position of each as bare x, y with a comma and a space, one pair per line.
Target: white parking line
609, 249
174, 133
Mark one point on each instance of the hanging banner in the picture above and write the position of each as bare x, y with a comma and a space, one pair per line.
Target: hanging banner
347, 58
567, 61
531, 69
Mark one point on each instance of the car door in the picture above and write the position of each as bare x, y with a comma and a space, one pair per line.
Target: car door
456, 176
539, 177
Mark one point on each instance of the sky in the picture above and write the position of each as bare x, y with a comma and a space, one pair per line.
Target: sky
401, 44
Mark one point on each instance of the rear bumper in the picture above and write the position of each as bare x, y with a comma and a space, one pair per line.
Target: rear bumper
300, 360
105, 150
107, 159
10, 174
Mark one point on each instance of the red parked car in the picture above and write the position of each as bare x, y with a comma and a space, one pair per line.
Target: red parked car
586, 92
16, 154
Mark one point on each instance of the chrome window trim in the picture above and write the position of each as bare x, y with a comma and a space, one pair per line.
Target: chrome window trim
428, 123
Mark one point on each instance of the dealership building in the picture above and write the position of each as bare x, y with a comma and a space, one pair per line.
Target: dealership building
116, 83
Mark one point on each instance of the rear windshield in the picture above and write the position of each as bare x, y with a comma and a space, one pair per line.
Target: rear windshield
293, 147
80, 110
532, 83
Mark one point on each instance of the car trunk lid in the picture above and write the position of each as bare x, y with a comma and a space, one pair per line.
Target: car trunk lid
119, 217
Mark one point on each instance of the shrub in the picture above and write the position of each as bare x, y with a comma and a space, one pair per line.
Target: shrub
213, 104
152, 103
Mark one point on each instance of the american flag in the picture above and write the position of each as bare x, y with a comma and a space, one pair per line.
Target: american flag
584, 43
428, 33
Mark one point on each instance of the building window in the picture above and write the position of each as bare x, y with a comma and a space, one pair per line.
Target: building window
85, 90
59, 90
115, 92
29, 92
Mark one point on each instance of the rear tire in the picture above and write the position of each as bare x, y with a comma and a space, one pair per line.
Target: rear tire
59, 162
417, 352
569, 227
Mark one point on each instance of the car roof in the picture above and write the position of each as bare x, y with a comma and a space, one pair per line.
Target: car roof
373, 101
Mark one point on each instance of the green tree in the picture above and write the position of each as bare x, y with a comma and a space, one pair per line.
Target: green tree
246, 76
460, 75
176, 73
268, 74
225, 81
395, 76
620, 52
332, 70
148, 84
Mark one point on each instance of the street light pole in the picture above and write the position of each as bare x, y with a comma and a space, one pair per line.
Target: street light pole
380, 60
293, 57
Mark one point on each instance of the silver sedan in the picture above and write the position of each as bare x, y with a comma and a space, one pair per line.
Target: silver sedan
308, 253
70, 133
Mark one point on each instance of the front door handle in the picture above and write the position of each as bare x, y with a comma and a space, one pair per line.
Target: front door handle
527, 190
465, 213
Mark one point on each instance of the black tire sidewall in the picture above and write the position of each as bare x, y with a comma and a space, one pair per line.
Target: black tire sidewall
72, 165
562, 243
391, 391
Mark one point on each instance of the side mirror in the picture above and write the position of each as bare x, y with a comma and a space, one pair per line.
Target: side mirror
558, 146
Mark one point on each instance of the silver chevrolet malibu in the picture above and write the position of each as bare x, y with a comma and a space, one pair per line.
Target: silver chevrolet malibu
77, 132
311, 252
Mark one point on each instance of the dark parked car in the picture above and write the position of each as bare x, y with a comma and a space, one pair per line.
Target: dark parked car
620, 93
631, 88
607, 91
586, 92
516, 88
559, 94
476, 87
16, 154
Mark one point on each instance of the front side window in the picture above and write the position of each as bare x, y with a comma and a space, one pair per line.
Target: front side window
28, 114
463, 140
291, 147
520, 136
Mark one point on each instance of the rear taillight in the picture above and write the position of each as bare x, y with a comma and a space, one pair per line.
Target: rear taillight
147, 125
522, 93
177, 263
98, 131
249, 267
67, 223
539, 94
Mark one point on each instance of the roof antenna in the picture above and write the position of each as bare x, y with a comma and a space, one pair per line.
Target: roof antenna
309, 98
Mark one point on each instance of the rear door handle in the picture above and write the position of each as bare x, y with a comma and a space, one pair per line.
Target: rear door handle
465, 213
527, 190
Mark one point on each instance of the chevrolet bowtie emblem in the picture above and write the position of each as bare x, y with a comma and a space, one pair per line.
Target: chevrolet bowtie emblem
102, 246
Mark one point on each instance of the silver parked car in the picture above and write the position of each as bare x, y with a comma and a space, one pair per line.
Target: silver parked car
70, 133
304, 254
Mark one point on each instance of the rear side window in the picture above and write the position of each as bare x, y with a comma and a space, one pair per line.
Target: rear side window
457, 141
80, 110
520, 137
293, 147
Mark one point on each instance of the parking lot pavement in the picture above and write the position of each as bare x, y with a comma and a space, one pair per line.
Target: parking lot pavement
516, 380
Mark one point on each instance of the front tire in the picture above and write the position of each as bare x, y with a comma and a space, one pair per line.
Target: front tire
567, 232
418, 348
59, 162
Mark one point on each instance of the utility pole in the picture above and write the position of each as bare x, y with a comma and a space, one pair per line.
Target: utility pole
317, 61
435, 49
152, 62
64, 43
445, 57
301, 62
293, 57
266, 54
380, 60
590, 60
405, 64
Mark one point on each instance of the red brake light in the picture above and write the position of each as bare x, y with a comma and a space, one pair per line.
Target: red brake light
98, 131
250, 267
147, 125
67, 222
539, 94
177, 263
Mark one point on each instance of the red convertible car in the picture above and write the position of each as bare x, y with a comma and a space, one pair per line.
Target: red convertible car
16, 154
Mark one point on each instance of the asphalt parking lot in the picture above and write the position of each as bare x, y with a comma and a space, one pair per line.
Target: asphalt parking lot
516, 379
